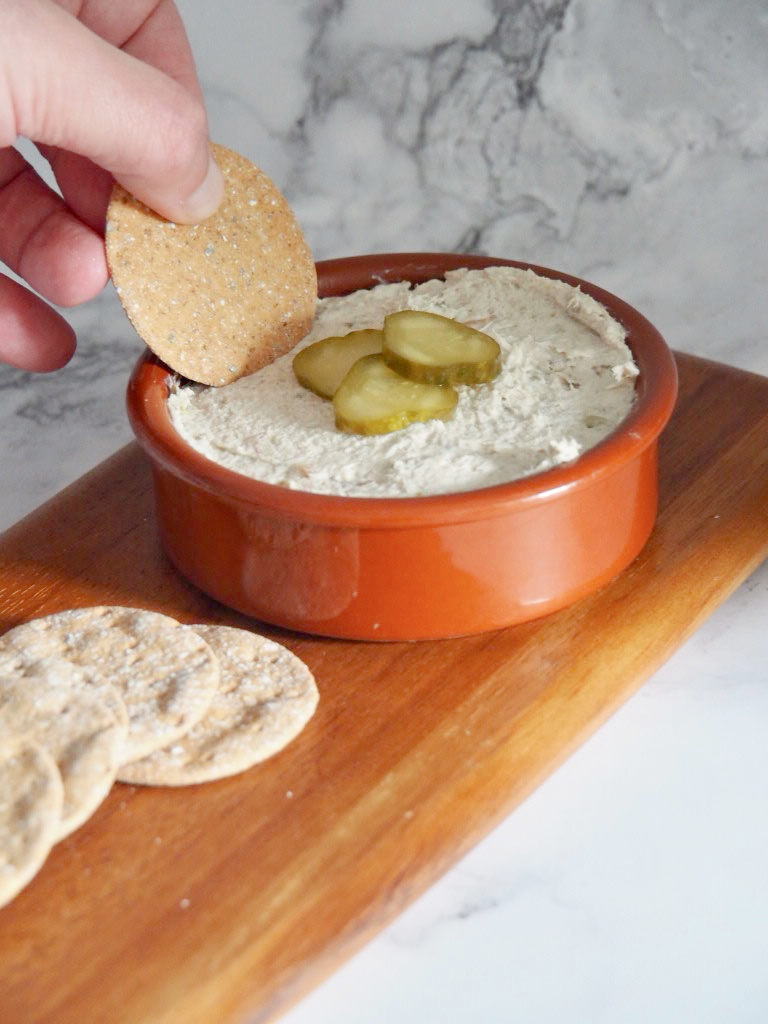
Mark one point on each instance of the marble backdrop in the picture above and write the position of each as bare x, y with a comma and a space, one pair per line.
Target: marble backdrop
625, 141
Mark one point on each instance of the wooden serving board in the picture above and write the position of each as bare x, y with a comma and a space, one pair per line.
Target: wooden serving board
226, 902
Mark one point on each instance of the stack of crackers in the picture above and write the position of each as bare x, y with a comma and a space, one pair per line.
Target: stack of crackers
91, 696
94, 695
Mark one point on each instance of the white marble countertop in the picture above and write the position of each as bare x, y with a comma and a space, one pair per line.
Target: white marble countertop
625, 141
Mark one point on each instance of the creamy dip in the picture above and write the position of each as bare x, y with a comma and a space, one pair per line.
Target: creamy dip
566, 381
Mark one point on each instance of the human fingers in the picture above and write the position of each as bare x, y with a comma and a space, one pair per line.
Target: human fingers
85, 187
150, 30
67, 87
32, 335
42, 241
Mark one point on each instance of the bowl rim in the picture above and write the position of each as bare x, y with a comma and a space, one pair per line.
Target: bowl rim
656, 394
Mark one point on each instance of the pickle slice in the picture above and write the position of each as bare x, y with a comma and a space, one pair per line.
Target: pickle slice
434, 349
322, 366
375, 399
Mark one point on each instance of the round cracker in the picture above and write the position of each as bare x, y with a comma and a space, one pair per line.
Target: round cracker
266, 696
165, 672
220, 299
31, 798
82, 727
15, 664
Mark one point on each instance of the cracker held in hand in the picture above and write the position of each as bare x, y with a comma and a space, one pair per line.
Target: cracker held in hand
220, 299
31, 798
82, 727
165, 672
266, 696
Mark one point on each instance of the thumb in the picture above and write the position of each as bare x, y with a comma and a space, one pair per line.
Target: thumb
66, 87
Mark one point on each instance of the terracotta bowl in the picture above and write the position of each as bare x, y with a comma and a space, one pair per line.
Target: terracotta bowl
411, 568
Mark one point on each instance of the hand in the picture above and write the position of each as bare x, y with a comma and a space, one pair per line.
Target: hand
107, 89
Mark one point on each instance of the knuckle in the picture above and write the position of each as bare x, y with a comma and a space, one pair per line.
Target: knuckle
184, 137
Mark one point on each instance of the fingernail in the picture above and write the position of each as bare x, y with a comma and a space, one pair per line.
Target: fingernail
206, 198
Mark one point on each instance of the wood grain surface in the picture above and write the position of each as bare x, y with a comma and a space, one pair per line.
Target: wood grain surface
226, 902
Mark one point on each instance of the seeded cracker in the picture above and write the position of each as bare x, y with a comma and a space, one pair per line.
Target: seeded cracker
266, 696
82, 727
31, 797
220, 299
165, 672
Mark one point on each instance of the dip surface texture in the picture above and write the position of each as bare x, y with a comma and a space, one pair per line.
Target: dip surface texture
566, 381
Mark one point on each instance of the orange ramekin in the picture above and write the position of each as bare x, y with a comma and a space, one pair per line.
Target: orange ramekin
412, 568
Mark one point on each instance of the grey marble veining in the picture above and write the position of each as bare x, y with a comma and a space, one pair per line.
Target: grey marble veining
57, 426
625, 141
